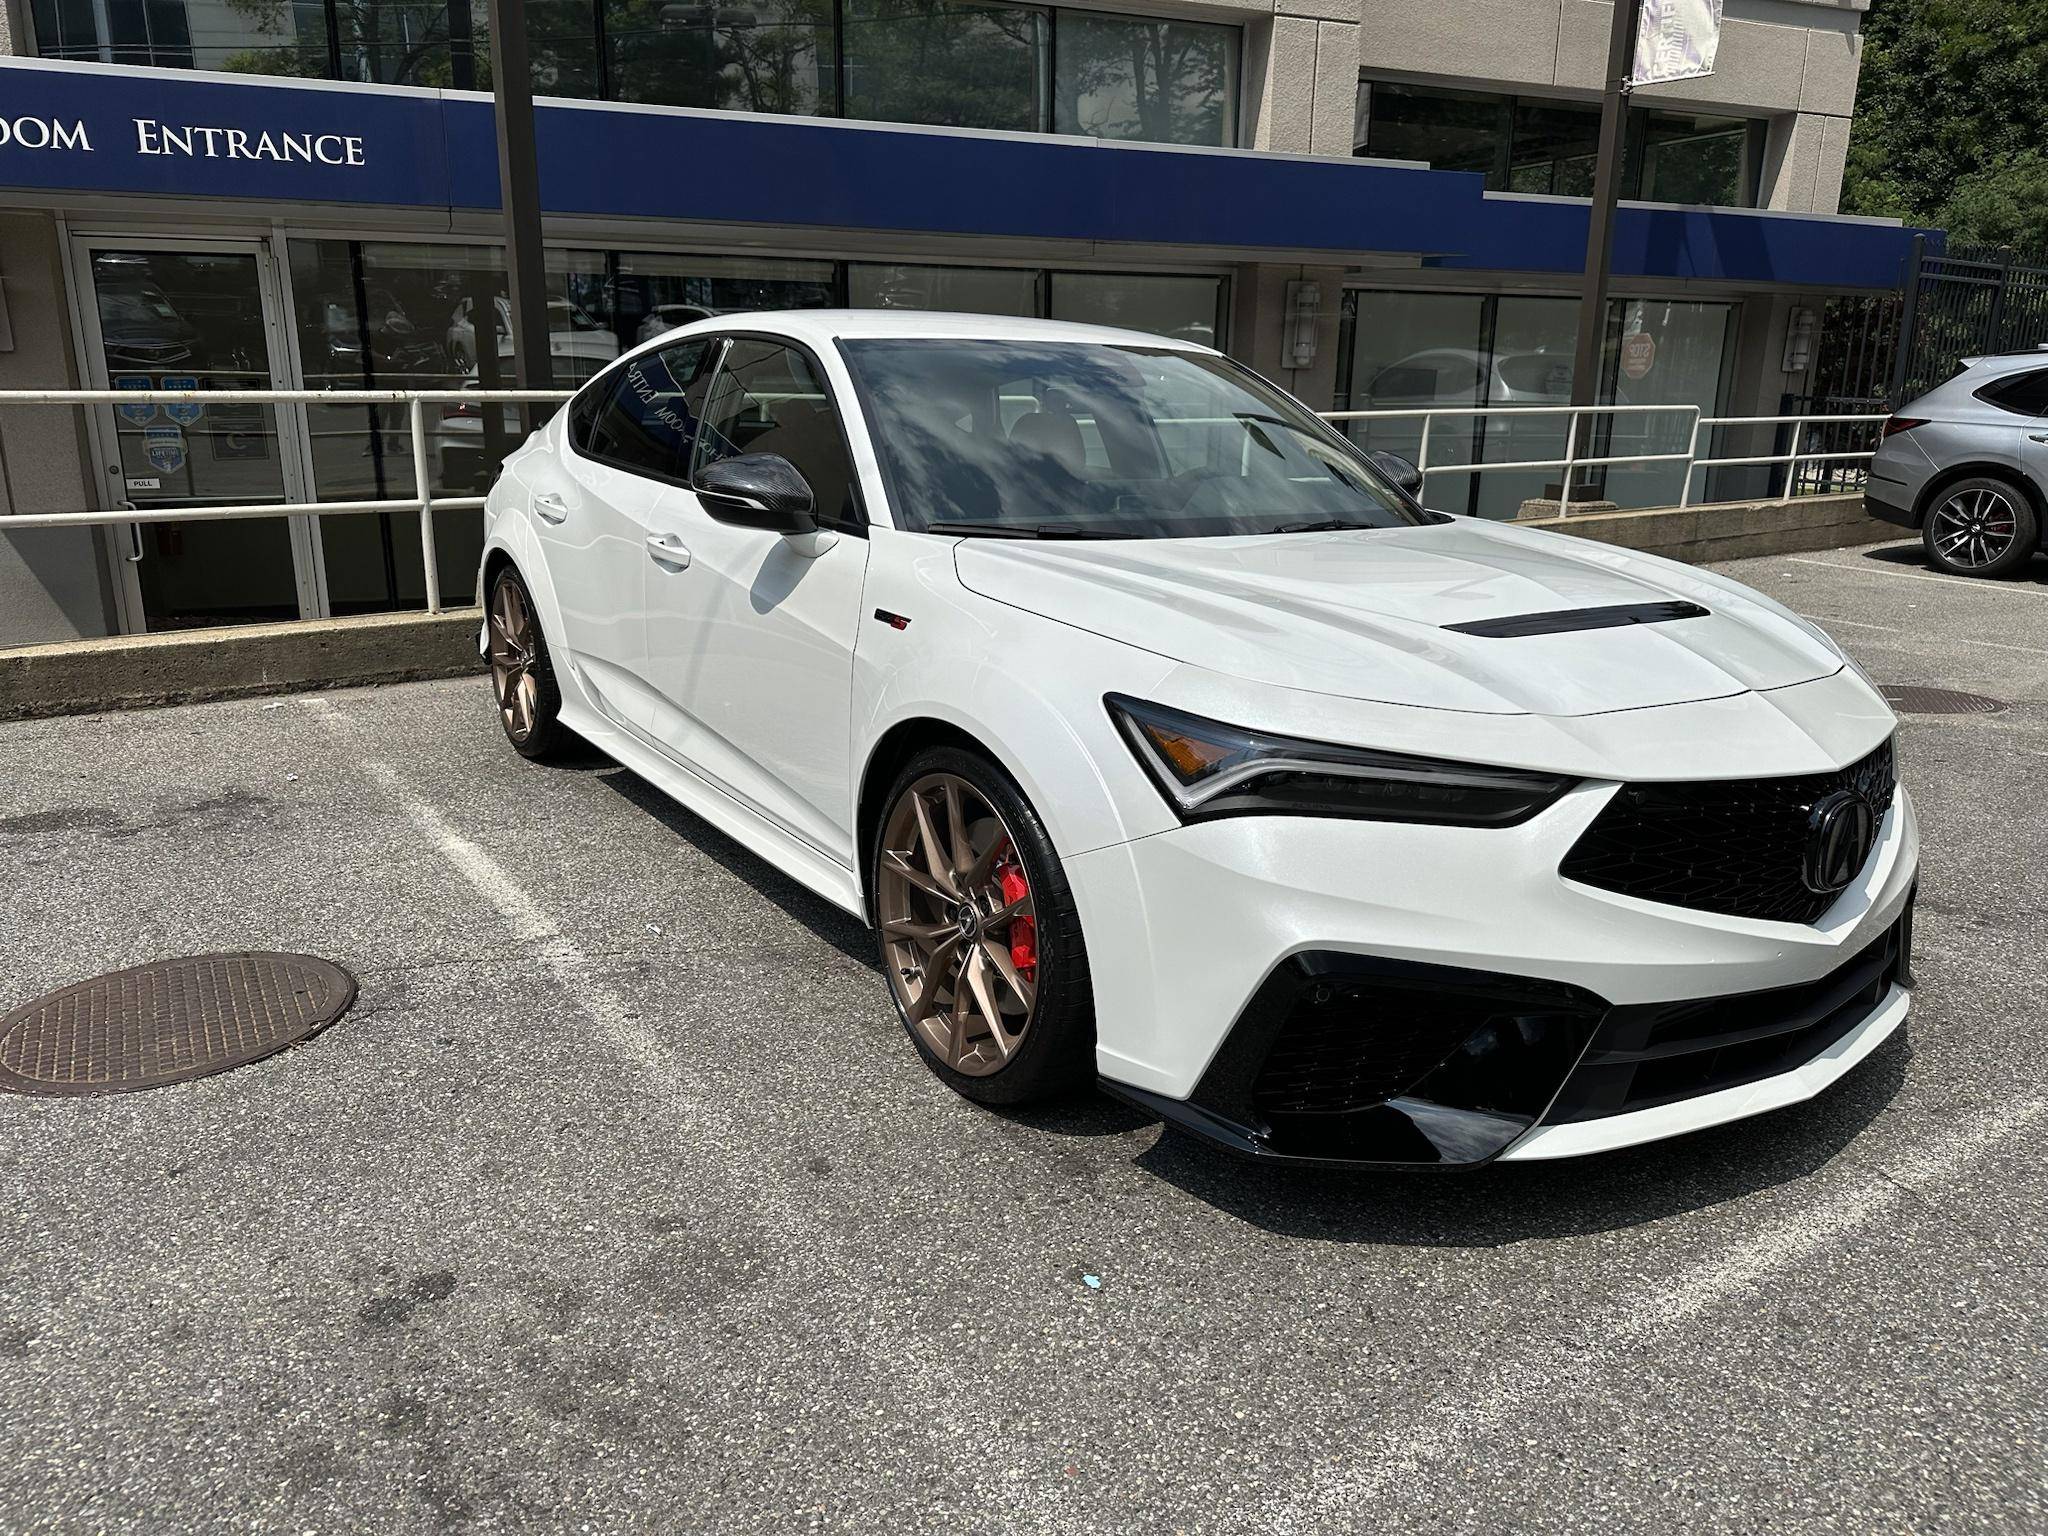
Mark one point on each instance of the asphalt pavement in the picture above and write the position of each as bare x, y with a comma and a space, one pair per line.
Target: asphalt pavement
621, 1203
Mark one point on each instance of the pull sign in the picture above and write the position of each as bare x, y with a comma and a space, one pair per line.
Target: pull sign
144, 483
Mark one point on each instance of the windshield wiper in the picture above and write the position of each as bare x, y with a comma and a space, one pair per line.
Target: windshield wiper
1020, 531
1327, 525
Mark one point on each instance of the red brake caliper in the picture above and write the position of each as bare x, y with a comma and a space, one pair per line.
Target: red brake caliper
1023, 930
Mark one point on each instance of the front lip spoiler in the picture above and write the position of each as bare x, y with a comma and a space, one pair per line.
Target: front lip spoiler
1241, 1140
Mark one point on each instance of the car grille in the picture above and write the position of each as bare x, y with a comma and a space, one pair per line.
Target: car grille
1648, 1054
1734, 846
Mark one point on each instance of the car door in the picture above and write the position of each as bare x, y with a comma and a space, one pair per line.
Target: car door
751, 634
628, 443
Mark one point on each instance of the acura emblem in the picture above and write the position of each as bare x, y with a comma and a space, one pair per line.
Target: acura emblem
1839, 833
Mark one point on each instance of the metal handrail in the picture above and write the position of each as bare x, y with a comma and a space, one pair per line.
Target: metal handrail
1571, 461
414, 400
426, 503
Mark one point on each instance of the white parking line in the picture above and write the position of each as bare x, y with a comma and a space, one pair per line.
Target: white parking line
1893, 629
1981, 585
1351, 1495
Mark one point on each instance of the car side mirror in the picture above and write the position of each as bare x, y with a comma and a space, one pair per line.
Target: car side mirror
758, 490
1406, 477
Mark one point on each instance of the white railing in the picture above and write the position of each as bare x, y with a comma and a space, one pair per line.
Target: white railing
426, 503
415, 401
1573, 461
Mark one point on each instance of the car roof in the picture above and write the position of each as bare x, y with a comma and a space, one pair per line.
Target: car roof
821, 327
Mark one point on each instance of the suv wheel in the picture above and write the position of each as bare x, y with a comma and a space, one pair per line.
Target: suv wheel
1982, 526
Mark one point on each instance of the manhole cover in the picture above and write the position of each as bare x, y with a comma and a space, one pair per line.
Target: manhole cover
167, 1021
1915, 700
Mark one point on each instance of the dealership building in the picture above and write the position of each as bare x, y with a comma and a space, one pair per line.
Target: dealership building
1375, 203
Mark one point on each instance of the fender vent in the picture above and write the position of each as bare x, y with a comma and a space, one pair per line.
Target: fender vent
1565, 619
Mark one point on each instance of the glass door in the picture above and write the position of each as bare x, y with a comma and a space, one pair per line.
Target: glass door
197, 316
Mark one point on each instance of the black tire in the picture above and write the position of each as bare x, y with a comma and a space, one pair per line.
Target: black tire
532, 721
1984, 525
1056, 1055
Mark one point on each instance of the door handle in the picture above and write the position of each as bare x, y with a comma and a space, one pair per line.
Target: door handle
551, 507
2037, 437
668, 550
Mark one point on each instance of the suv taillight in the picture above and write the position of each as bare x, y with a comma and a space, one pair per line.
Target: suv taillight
1900, 424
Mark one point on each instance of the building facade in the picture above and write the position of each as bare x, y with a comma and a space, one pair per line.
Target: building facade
1375, 204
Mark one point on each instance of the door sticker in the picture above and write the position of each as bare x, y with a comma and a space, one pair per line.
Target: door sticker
164, 447
135, 413
184, 415
144, 483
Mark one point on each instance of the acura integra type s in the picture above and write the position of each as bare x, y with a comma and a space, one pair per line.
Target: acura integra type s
1166, 741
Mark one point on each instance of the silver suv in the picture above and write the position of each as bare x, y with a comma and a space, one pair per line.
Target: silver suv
1967, 465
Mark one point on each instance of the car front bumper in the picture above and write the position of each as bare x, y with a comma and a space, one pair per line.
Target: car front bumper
1204, 938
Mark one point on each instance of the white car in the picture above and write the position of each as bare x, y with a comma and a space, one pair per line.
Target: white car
1165, 742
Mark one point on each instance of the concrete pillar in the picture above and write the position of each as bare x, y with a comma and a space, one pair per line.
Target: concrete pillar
1259, 328
52, 580
1301, 79
1804, 158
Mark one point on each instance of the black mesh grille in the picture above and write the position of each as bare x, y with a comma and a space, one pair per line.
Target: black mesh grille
1654, 1053
1726, 845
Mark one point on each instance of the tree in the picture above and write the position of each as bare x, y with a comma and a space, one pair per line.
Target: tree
1952, 117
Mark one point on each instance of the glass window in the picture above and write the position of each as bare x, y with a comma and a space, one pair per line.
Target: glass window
1408, 351
1113, 441
1556, 148
1185, 308
413, 42
947, 62
769, 399
1702, 161
961, 290
649, 292
2024, 394
771, 57
268, 37
1130, 77
1527, 144
1450, 130
646, 420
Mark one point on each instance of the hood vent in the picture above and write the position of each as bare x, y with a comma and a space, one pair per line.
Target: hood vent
1565, 619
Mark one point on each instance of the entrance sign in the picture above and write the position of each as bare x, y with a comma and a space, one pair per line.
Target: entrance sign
1676, 40
164, 447
184, 415
139, 414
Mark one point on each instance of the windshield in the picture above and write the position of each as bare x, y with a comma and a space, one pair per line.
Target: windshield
1092, 438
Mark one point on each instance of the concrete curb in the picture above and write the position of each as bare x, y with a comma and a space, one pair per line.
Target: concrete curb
1731, 530
181, 667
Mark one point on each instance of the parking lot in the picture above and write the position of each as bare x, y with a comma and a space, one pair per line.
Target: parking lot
620, 1200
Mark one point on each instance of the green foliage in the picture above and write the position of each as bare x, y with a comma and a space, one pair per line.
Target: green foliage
1952, 119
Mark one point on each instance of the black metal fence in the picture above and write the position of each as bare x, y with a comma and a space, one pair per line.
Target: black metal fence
1965, 302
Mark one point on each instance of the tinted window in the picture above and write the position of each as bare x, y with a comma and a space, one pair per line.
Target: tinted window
2024, 394
1132, 77
769, 399
645, 418
1123, 441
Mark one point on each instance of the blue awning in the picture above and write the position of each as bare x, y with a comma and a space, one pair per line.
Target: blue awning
96, 129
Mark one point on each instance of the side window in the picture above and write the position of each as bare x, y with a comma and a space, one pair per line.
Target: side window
2024, 394
768, 398
646, 420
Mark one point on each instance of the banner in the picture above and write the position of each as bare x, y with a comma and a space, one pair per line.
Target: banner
1676, 40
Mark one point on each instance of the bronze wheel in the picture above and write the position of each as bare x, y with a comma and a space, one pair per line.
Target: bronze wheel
522, 680
959, 924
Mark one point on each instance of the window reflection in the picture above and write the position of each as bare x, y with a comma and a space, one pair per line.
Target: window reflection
945, 62
771, 56
1127, 77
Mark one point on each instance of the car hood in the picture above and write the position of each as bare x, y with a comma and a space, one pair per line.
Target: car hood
1362, 615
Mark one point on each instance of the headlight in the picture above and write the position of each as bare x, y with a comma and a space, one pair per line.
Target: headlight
1206, 768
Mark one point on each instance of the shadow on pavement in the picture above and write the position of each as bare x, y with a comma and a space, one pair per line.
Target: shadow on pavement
1913, 558
841, 930
1516, 1202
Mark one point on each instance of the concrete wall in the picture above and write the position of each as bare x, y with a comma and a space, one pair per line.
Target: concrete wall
1793, 61
1300, 77
52, 585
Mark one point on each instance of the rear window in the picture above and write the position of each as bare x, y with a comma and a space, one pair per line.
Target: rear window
2024, 394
